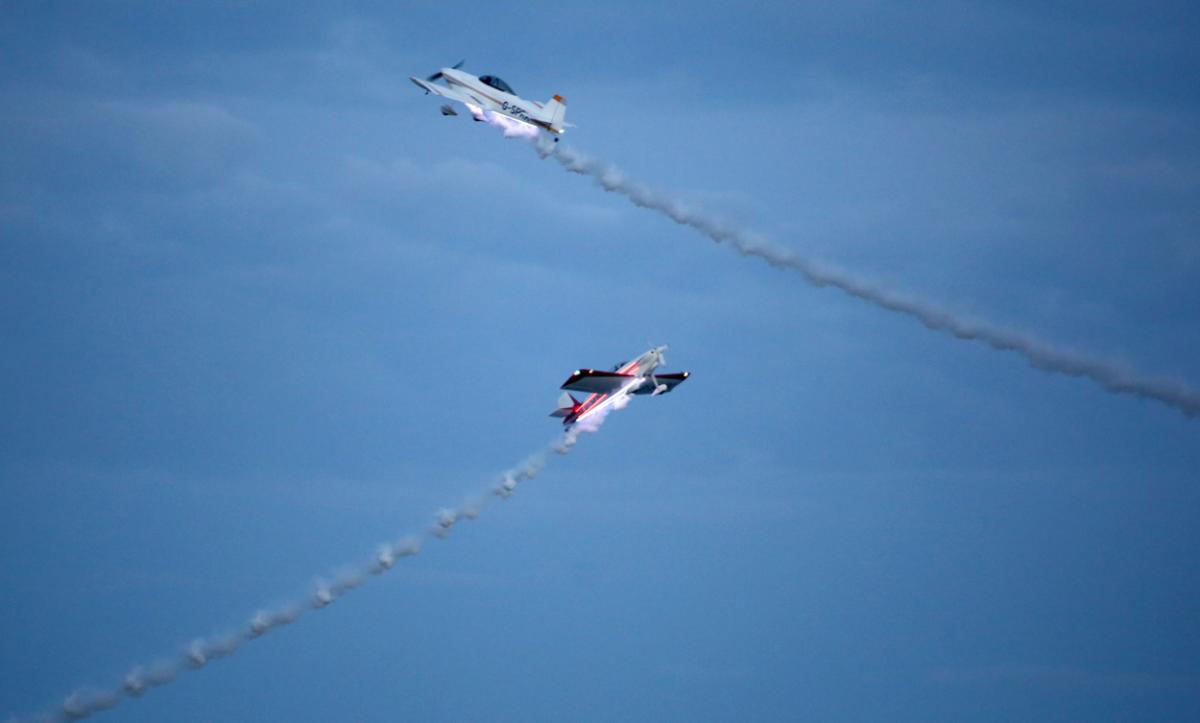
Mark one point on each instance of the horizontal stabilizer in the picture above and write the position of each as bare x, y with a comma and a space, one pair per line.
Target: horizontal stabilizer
566, 405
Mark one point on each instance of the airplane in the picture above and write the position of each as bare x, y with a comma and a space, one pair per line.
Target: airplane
606, 388
488, 94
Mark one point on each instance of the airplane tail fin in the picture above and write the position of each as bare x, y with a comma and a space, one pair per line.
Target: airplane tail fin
556, 113
566, 406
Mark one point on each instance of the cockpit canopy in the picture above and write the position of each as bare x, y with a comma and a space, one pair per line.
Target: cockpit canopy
496, 83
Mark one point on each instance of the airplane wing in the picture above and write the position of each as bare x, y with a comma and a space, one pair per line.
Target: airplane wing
450, 93
592, 381
670, 380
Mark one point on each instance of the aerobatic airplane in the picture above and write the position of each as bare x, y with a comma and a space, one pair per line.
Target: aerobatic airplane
488, 94
606, 388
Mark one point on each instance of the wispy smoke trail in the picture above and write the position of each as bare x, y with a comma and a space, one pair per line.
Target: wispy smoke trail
1039, 354
88, 700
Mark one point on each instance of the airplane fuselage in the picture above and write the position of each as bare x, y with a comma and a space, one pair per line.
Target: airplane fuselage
595, 404
498, 101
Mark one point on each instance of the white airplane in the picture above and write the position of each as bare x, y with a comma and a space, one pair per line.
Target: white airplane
606, 388
488, 94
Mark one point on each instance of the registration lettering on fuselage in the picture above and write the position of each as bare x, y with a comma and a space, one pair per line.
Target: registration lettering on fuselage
514, 109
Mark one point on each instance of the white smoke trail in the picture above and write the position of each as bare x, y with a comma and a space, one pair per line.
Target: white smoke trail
88, 700
510, 127
591, 424
1039, 354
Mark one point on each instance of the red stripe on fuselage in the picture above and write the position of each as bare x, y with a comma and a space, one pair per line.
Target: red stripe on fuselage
589, 403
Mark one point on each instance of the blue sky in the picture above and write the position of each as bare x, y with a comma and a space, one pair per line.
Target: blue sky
264, 308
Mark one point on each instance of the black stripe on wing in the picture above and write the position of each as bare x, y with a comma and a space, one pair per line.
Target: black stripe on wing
594, 381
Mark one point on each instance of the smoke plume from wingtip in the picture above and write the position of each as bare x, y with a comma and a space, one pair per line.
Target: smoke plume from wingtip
1039, 354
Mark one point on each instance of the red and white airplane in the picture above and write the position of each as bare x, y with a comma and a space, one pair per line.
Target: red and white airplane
606, 389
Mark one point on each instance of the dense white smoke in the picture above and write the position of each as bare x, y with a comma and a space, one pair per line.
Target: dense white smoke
510, 127
1039, 354
89, 700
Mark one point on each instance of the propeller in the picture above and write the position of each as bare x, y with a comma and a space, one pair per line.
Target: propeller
438, 75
